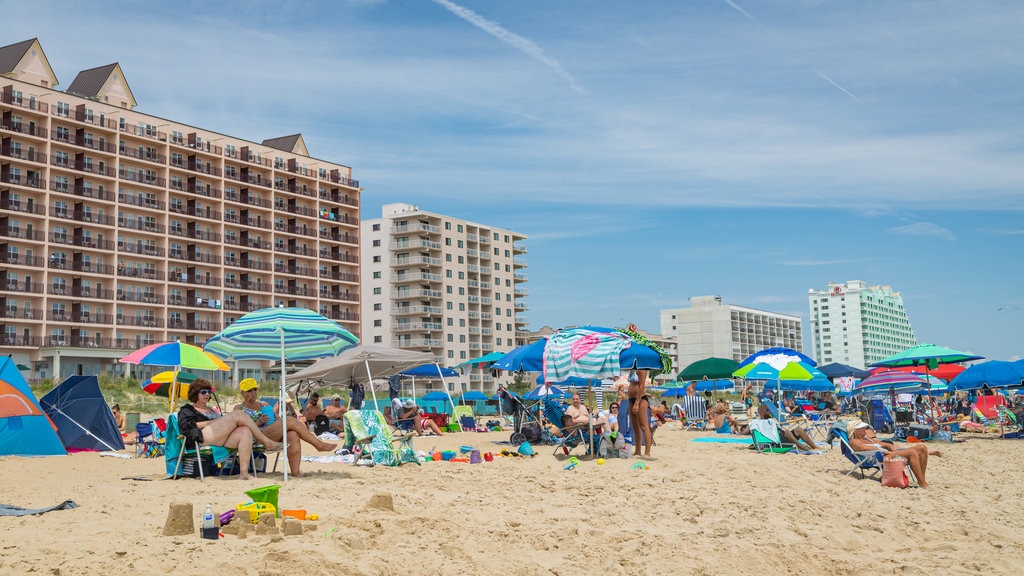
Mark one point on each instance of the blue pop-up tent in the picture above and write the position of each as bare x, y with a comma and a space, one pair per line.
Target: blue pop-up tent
25, 430
82, 417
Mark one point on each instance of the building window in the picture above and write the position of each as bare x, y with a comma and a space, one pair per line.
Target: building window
376, 259
378, 323
376, 227
378, 339
377, 291
377, 307
376, 243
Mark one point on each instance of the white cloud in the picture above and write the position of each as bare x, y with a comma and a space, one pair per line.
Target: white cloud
924, 229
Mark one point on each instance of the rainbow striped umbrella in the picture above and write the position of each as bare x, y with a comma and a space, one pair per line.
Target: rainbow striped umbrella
899, 382
281, 334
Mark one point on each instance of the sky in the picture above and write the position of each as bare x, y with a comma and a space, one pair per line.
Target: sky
651, 151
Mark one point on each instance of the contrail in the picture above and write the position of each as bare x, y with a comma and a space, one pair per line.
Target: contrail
834, 83
744, 12
514, 40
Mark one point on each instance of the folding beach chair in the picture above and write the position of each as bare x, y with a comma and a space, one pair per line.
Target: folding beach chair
695, 409
766, 436
368, 430
572, 436
201, 460
463, 419
863, 461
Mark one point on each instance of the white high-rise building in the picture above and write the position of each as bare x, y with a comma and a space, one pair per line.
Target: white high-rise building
709, 328
857, 324
444, 285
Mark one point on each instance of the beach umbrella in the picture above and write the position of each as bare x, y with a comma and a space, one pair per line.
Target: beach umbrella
543, 391
896, 382
481, 362
527, 358
787, 373
178, 355
161, 384
281, 334
708, 369
22, 367
928, 356
778, 354
993, 374
427, 371
700, 386
837, 370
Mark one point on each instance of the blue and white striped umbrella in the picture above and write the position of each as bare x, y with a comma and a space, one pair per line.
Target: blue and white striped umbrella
281, 334
899, 382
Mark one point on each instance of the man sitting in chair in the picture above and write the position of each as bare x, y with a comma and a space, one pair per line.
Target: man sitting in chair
410, 412
794, 436
335, 413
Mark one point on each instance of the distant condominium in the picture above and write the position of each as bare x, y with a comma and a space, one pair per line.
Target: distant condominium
710, 328
857, 324
121, 229
439, 284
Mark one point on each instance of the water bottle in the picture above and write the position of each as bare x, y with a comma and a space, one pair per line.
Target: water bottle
209, 526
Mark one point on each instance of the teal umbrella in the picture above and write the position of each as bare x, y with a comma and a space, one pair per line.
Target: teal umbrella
928, 355
281, 334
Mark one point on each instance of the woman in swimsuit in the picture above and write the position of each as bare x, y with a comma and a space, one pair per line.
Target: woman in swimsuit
638, 413
199, 422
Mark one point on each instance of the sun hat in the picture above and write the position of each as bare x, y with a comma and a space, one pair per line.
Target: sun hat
336, 397
860, 425
409, 404
248, 384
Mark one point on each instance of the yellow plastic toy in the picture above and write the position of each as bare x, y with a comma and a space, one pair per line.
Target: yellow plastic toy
255, 509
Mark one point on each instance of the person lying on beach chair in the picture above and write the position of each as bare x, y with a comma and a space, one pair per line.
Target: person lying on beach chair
796, 436
864, 439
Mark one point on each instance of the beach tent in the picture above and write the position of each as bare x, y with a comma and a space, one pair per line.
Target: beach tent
25, 430
83, 419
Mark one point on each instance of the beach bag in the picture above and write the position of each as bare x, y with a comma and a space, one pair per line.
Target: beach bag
894, 472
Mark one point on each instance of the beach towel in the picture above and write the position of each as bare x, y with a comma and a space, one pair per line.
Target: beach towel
583, 353
9, 510
769, 428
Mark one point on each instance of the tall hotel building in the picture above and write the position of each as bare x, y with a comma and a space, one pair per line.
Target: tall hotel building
857, 324
438, 284
121, 229
709, 328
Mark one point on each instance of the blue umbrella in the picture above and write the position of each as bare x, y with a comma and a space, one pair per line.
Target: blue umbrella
894, 382
435, 396
473, 396
769, 353
837, 370
717, 385
530, 358
429, 371
993, 374
542, 391
572, 382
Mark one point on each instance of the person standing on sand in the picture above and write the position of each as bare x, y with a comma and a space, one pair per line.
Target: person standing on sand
639, 418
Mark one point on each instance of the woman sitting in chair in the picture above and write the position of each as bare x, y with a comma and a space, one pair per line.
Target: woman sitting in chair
253, 408
864, 439
199, 423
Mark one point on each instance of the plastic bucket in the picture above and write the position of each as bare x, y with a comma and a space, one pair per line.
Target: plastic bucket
526, 450
435, 456
447, 455
266, 494
474, 457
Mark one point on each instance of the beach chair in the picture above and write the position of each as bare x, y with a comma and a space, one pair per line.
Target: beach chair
147, 444
765, 434
201, 460
863, 461
695, 409
370, 432
572, 436
463, 419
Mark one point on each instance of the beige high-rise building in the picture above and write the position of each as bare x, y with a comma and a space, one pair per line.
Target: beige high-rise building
444, 285
121, 229
710, 328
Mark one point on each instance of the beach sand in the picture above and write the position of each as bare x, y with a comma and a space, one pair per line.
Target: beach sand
700, 508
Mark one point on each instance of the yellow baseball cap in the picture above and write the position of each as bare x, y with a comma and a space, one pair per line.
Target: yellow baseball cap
248, 384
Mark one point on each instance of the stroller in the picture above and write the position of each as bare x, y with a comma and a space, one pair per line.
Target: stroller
527, 427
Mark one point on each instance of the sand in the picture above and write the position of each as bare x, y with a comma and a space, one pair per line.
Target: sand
700, 508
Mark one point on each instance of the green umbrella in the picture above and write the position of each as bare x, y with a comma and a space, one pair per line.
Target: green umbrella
928, 355
23, 367
709, 369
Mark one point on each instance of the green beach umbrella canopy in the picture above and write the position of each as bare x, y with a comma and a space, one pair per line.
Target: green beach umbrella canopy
709, 369
927, 354
281, 334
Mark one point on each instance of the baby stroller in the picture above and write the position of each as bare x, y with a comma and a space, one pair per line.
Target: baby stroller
527, 427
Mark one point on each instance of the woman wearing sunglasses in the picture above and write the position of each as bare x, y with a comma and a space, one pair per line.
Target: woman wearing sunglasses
201, 423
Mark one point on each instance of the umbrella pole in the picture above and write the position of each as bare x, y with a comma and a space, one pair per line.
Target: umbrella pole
592, 453
172, 402
84, 429
284, 411
369, 377
444, 385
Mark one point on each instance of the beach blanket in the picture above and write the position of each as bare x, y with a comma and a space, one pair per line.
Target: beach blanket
725, 439
9, 510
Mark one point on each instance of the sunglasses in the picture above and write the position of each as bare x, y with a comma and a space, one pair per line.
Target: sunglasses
206, 391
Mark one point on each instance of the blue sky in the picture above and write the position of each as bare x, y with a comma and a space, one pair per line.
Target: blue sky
651, 151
